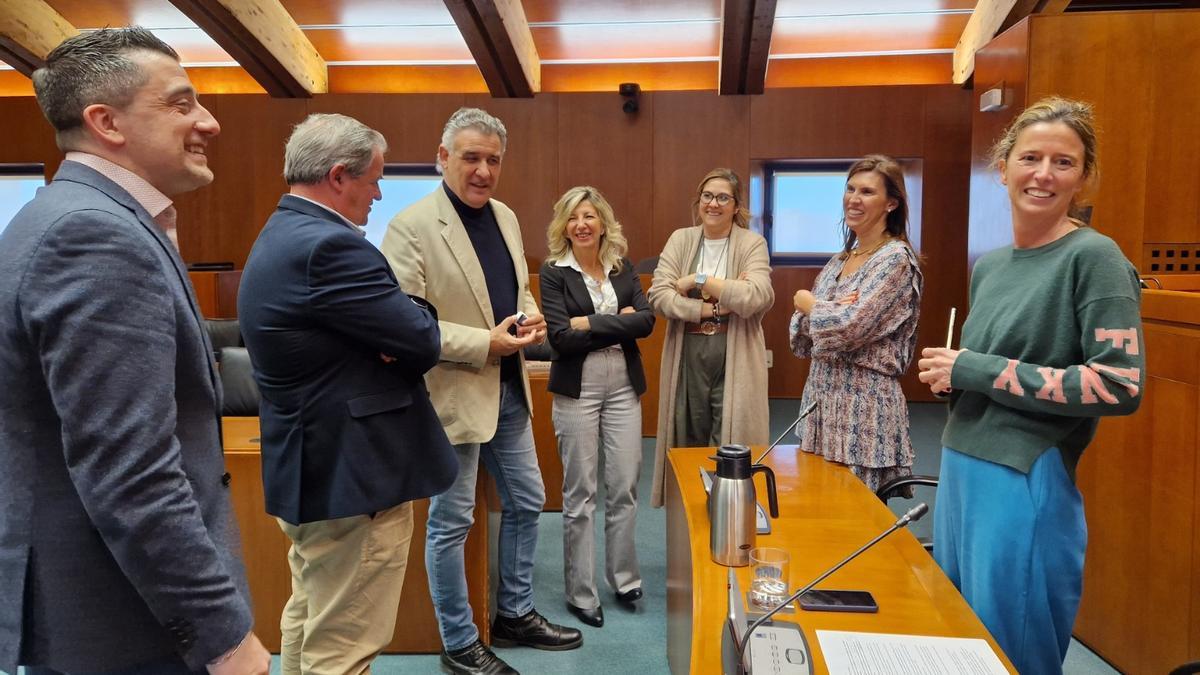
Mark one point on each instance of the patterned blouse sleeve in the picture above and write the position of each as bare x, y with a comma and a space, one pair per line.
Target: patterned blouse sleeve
887, 297
798, 335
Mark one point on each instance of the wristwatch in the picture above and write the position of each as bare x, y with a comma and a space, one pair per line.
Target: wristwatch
700, 279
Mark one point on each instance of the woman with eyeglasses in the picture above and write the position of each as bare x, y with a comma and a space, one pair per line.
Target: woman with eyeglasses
713, 285
858, 325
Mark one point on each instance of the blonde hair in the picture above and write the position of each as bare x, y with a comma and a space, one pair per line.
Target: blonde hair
1077, 115
741, 214
613, 245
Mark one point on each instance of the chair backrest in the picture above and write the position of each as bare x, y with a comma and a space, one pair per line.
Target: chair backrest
223, 333
646, 265
902, 488
237, 383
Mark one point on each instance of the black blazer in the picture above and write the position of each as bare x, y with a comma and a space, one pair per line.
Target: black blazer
565, 295
343, 433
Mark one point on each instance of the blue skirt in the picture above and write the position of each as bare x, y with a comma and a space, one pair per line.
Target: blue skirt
1013, 544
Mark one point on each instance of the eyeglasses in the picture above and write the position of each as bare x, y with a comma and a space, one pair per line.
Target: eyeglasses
722, 199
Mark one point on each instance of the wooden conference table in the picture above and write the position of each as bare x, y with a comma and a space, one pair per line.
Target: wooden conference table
826, 513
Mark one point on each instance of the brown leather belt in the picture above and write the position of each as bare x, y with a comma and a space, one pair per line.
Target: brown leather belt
706, 327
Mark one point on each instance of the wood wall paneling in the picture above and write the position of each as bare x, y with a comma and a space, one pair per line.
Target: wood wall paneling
1168, 530
1173, 128
602, 146
1004, 61
220, 223
788, 372
411, 124
832, 122
32, 139
527, 182
1114, 516
944, 190
1194, 598
694, 132
1119, 81
1139, 484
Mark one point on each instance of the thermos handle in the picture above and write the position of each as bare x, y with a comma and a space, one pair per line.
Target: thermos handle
772, 498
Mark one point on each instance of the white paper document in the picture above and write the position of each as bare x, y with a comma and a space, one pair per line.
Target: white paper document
849, 653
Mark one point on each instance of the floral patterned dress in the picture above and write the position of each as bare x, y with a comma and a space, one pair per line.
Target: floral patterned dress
859, 350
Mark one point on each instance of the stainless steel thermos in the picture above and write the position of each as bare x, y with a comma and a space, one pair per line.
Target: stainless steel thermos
731, 505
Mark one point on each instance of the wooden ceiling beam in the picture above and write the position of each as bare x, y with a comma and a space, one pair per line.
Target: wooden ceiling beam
990, 18
745, 45
499, 38
265, 40
29, 30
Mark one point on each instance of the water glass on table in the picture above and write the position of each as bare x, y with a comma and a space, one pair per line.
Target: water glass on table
769, 570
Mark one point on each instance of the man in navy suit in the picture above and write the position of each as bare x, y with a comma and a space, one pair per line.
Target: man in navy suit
349, 436
117, 540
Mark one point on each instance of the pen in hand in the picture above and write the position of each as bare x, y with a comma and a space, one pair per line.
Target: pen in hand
949, 345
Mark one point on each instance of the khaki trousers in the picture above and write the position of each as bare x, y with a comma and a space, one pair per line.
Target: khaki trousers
347, 575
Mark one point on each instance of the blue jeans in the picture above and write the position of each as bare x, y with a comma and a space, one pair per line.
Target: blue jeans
512, 460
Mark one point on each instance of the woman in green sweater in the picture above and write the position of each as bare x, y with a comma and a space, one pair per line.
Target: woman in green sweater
1053, 342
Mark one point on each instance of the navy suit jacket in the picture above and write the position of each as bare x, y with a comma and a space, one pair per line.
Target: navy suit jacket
565, 295
117, 539
343, 433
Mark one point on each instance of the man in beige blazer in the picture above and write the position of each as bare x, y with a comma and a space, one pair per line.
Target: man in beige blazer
461, 250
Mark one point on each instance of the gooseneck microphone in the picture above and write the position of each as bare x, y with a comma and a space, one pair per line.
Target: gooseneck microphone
802, 415
915, 513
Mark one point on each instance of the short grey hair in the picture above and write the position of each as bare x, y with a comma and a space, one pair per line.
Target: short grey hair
472, 118
90, 68
323, 141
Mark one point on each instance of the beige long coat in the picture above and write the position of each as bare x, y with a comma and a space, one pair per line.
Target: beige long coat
745, 415
432, 256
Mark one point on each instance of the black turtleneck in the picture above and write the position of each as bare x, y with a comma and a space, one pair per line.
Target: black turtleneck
497, 266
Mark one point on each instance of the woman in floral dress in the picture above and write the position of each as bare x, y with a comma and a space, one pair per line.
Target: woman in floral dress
858, 325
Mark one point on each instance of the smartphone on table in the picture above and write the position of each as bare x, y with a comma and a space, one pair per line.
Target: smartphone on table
838, 601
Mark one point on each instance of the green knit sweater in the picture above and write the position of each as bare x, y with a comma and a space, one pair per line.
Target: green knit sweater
1054, 340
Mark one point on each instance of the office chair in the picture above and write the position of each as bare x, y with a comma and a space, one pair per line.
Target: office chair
901, 487
223, 333
646, 265
237, 383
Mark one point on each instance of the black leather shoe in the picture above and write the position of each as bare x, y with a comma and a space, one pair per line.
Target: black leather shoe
629, 597
475, 659
592, 617
533, 630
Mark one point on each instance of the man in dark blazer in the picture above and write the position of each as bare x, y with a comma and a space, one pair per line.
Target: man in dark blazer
349, 435
117, 539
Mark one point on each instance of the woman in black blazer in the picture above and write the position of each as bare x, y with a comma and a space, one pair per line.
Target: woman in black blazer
595, 311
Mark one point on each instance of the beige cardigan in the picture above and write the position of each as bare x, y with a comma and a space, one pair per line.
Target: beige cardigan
745, 416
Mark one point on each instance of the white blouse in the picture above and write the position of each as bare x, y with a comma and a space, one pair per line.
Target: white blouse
604, 296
